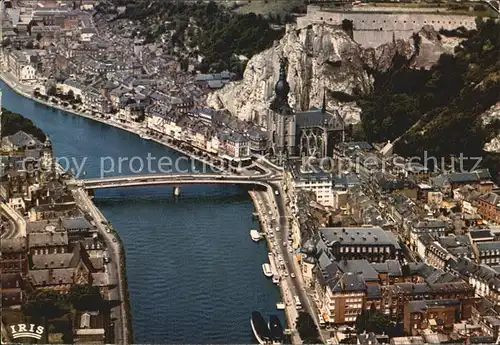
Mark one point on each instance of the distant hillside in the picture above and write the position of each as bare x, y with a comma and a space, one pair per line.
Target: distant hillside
439, 111
13, 123
208, 29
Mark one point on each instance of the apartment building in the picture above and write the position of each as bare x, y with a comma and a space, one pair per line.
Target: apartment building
434, 314
320, 183
488, 207
20, 66
371, 243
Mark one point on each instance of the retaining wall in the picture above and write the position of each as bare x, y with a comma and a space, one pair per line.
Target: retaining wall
375, 28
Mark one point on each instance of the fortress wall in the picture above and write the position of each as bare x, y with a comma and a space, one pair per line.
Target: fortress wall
394, 21
372, 28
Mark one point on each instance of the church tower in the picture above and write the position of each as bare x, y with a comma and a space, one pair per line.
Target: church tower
281, 119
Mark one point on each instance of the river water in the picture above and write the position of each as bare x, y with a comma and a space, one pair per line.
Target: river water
194, 274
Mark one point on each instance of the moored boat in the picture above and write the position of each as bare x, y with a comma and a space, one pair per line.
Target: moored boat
145, 136
260, 328
266, 268
276, 329
280, 306
255, 235
276, 279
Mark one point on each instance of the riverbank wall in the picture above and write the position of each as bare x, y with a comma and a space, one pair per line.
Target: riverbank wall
122, 264
290, 312
135, 130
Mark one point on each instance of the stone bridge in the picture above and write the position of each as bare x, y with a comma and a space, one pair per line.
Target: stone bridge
168, 179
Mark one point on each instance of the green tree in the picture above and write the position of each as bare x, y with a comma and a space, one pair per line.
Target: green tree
307, 329
372, 321
86, 297
52, 91
45, 304
12, 123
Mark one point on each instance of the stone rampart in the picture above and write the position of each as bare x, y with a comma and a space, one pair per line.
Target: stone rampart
372, 28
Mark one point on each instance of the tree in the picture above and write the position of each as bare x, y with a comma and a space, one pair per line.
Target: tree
12, 123
38, 36
307, 329
52, 91
71, 94
372, 321
86, 297
45, 304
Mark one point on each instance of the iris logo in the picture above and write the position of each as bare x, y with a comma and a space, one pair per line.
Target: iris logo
22, 330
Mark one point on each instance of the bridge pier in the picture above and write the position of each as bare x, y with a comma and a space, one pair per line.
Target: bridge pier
177, 191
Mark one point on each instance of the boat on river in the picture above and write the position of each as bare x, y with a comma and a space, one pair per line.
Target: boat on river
260, 328
280, 306
266, 268
255, 235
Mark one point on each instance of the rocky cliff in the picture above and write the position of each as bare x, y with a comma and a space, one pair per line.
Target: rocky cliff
319, 57
490, 116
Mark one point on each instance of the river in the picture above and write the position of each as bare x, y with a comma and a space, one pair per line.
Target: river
194, 274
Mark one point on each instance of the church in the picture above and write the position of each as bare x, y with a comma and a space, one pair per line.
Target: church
291, 134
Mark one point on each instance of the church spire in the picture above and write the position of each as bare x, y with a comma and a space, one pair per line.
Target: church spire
282, 87
323, 106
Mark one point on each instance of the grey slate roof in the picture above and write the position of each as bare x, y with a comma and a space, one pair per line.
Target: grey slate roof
52, 276
359, 266
491, 198
47, 261
45, 239
76, 223
350, 282
23, 139
390, 267
356, 236
420, 306
488, 246
373, 291
13, 245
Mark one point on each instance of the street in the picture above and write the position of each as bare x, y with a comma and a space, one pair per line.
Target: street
118, 314
272, 206
17, 224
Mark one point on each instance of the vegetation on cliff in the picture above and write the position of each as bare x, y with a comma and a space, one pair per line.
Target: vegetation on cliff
438, 110
13, 123
208, 29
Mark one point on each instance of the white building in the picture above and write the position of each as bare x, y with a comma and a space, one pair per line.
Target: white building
318, 182
236, 147
20, 66
71, 85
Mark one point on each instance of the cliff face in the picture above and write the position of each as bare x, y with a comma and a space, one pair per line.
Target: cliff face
490, 116
319, 58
